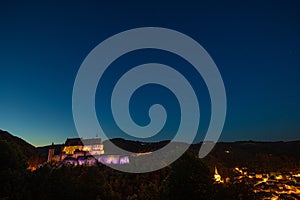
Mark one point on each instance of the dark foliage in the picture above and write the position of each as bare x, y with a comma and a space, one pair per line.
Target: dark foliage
187, 178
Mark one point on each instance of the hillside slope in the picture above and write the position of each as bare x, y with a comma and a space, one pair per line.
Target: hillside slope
26, 149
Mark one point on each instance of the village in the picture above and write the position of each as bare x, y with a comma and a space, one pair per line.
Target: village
269, 186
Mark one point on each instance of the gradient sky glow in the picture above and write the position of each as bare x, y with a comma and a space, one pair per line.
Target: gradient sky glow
254, 44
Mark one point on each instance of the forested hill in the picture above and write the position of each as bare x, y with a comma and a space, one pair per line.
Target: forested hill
27, 150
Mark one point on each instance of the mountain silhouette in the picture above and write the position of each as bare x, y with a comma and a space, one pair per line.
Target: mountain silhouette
26, 149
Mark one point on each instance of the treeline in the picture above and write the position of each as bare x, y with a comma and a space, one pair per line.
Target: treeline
187, 178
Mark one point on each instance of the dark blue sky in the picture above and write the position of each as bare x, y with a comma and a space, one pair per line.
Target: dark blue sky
255, 45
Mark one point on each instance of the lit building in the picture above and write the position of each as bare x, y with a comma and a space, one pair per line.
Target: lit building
76, 147
78, 151
217, 176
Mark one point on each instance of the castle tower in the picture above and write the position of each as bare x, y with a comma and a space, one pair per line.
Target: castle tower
50, 153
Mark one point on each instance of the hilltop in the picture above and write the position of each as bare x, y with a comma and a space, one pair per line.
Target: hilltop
26, 149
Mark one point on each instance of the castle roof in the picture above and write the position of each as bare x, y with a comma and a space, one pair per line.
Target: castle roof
91, 141
73, 142
81, 142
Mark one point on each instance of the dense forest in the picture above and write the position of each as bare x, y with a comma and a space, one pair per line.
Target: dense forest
187, 178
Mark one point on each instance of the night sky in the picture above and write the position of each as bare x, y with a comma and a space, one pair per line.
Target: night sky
255, 45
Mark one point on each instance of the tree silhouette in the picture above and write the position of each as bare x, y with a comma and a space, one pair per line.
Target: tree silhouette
189, 179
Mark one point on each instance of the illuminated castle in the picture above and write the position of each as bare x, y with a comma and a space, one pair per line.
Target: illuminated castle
84, 152
76, 147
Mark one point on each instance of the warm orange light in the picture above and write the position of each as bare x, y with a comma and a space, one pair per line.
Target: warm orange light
71, 149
